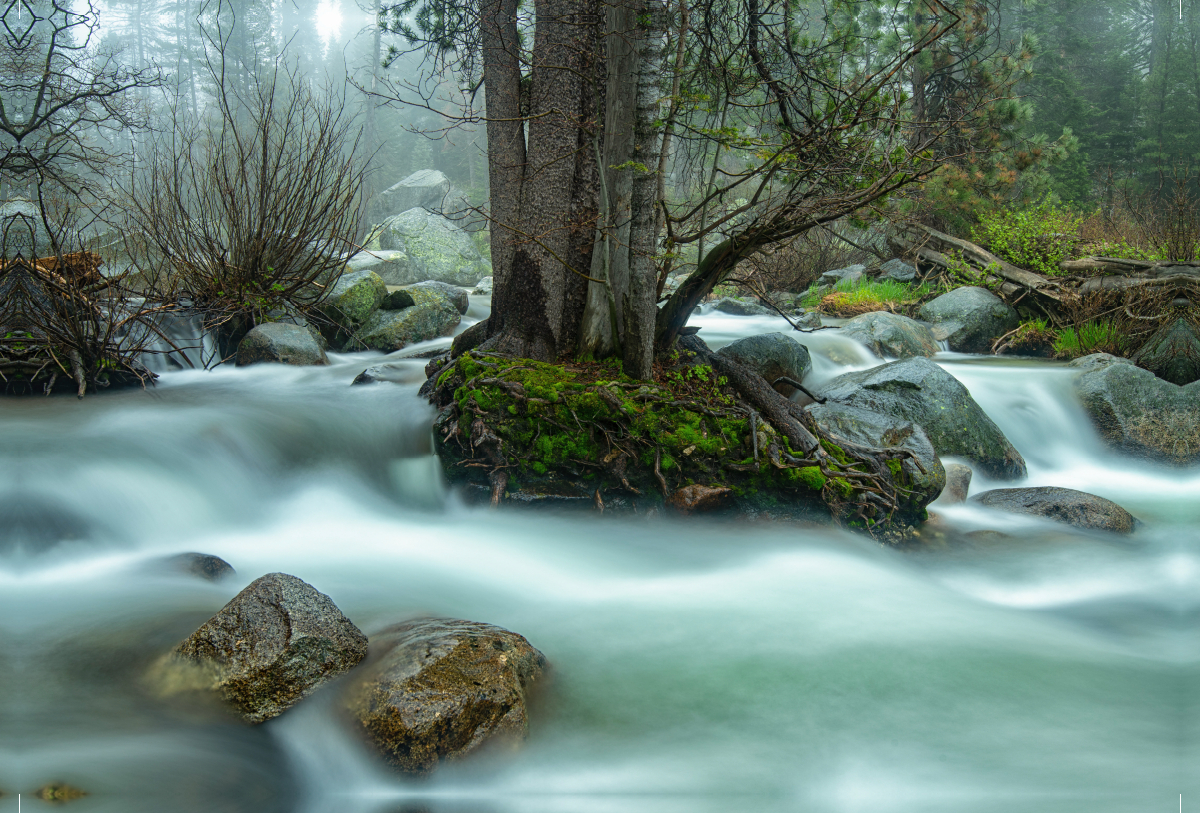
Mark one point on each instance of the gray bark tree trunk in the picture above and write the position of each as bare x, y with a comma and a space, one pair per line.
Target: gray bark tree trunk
543, 196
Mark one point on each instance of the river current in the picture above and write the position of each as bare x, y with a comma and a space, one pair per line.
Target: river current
696, 665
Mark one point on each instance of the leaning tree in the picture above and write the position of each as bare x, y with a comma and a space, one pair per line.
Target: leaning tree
805, 109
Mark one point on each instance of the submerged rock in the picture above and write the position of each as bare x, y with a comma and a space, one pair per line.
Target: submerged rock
59, 792
891, 335
958, 483
439, 689
204, 565
969, 319
922, 392
272, 645
772, 355
280, 343
1138, 413
1076, 508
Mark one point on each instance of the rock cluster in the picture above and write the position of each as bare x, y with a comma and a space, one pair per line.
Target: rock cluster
434, 689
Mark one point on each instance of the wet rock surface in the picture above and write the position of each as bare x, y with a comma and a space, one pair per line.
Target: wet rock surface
202, 565
440, 689
1076, 508
969, 319
698, 499
354, 297
272, 645
923, 475
918, 390
1172, 353
741, 306
280, 343
772, 355
958, 483
389, 331
891, 335
429, 290
1137, 413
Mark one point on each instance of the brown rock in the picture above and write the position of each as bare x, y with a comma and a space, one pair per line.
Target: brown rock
697, 498
440, 688
59, 792
272, 645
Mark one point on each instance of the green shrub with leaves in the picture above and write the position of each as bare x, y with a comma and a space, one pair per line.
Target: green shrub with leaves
1036, 237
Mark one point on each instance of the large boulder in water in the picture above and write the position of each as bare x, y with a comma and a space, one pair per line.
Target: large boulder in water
741, 306
354, 297
433, 314
273, 644
922, 392
922, 475
280, 343
439, 689
890, 334
1138, 413
969, 319
1076, 508
771, 355
436, 248
428, 290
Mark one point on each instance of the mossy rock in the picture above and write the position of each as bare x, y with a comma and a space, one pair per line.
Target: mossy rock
589, 434
355, 296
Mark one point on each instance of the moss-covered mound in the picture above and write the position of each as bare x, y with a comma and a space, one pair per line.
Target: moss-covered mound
528, 431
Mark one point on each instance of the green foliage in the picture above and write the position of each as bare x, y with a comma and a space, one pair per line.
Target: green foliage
962, 273
866, 292
1036, 237
1090, 337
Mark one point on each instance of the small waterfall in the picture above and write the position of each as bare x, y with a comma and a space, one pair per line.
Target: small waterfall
176, 342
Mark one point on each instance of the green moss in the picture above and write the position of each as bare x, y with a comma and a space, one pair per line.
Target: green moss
573, 429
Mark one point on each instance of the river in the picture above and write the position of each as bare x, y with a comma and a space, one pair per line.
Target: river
696, 665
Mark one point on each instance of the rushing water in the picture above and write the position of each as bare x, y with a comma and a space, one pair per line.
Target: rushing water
697, 666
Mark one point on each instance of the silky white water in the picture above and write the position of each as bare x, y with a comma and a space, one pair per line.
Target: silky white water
696, 665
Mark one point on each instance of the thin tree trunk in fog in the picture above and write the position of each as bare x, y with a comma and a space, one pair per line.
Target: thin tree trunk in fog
639, 304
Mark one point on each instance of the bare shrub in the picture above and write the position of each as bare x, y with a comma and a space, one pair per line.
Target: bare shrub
798, 263
246, 217
1161, 223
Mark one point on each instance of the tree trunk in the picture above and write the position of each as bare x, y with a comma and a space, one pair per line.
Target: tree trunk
639, 304
547, 201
